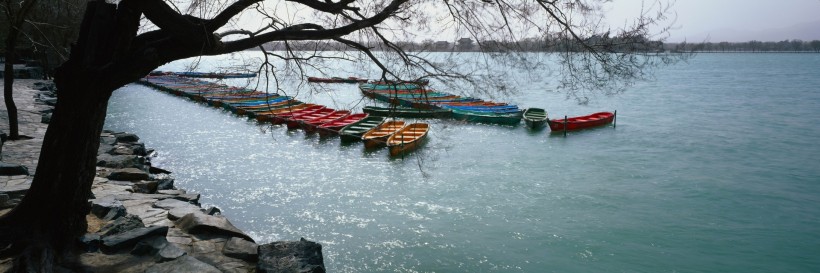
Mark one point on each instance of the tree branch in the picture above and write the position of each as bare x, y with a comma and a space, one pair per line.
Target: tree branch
327, 6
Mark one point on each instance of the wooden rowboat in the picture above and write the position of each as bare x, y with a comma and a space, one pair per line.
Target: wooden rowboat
295, 121
582, 122
378, 136
333, 127
407, 139
354, 131
406, 112
265, 116
310, 125
488, 117
284, 116
535, 118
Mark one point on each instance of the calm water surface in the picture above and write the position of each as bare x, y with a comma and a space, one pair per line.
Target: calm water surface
713, 167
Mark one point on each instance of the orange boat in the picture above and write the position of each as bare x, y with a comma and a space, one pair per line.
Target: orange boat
379, 135
407, 139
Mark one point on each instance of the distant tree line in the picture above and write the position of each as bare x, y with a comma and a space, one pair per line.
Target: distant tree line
557, 43
750, 46
566, 44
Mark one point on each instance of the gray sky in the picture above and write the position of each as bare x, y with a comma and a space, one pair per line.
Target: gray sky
734, 20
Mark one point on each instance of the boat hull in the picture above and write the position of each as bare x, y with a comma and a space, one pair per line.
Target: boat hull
535, 118
354, 131
582, 122
407, 112
483, 117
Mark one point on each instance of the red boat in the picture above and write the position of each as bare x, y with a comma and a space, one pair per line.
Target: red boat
336, 80
283, 117
582, 122
295, 121
333, 127
310, 125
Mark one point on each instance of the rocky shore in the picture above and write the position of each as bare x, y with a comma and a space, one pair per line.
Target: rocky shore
139, 222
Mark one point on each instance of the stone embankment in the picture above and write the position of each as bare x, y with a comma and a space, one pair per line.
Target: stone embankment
139, 222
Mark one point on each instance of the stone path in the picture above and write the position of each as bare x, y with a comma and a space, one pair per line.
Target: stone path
139, 221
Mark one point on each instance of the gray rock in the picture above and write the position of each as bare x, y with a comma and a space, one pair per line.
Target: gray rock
164, 181
108, 139
45, 118
129, 238
196, 223
115, 214
50, 101
145, 186
155, 170
296, 256
128, 149
11, 203
192, 198
119, 161
177, 213
103, 149
169, 252
233, 267
171, 192
138, 149
102, 207
182, 264
12, 169
90, 242
149, 246
212, 211
240, 249
128, 174
121, 150
122, 224
126, 137
171, 203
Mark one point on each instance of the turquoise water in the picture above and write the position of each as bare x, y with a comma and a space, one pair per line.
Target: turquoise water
712, 168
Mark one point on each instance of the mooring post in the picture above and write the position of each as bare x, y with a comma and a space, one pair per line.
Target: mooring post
615, 119
565, 126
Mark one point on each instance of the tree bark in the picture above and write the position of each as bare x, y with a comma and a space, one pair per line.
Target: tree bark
52, 214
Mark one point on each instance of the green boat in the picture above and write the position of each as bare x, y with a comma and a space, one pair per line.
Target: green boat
535, 118
406, 112
354, 131
488, 117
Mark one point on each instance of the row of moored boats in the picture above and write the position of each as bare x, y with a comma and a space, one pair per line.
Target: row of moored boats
400, 137
406, 99
409, 99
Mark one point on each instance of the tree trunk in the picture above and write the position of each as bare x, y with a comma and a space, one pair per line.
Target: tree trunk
52, 214
8, 81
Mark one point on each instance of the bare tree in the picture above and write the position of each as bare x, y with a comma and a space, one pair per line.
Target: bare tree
116, 46
47, 28
15, 14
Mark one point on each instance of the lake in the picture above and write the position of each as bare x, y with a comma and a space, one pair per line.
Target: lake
712, 167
